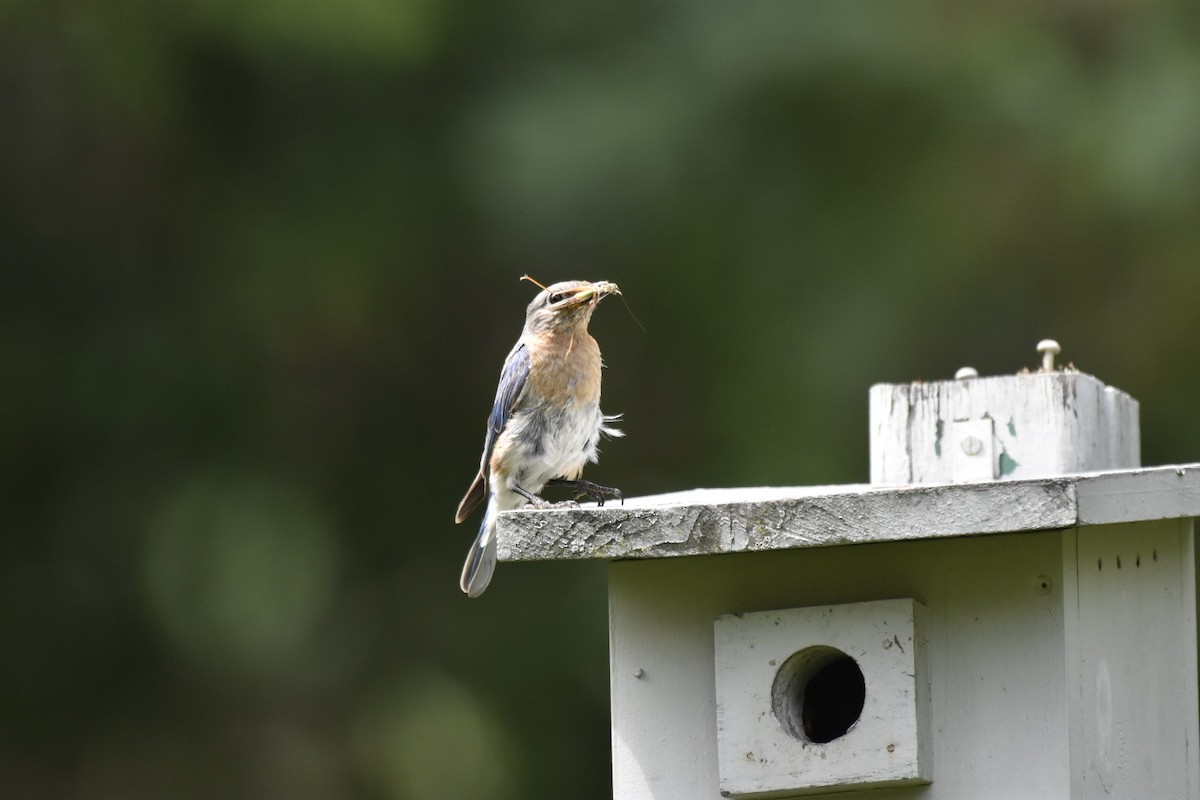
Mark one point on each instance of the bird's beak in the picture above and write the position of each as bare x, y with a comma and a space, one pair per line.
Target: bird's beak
593, 293
601, 288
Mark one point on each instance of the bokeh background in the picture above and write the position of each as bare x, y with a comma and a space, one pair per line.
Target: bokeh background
258, 273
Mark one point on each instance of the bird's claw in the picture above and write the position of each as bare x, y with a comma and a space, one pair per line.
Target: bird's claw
596, 492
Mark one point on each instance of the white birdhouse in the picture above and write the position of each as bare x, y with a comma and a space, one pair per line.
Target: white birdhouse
1008, 610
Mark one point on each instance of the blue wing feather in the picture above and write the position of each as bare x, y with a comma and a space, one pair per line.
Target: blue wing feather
512, 382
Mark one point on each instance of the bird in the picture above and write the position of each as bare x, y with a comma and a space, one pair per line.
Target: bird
546, 421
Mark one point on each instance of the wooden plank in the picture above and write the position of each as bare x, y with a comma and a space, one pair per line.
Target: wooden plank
1156, 493
761, 745
714, 521
1131, 656
777, 519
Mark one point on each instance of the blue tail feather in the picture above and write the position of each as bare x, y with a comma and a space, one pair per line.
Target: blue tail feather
481, 560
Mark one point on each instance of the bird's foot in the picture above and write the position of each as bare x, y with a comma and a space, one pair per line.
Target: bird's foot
589, 490
533, 501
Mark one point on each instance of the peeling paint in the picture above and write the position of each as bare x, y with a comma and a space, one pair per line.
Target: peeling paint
937, 443
1012, 427
1007, 464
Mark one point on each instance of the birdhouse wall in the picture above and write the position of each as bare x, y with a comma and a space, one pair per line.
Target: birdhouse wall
1048, 676
1130, 638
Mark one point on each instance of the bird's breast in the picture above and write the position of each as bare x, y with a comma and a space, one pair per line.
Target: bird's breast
567, 370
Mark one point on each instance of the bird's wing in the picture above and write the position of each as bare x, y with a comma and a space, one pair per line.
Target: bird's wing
512, 382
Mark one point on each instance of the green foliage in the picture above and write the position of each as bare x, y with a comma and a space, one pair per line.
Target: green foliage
260, 269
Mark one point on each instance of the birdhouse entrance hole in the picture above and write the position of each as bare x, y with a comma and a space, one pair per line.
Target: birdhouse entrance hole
818, 694
792, 688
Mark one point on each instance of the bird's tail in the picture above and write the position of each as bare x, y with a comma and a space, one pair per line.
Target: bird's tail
481, 560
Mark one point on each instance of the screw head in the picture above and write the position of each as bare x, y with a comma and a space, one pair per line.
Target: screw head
972, 445
1049, 349
965, 373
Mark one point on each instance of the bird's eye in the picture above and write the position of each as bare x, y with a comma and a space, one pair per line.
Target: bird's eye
555, 298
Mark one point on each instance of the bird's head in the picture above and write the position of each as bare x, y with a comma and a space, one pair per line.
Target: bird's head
566, 305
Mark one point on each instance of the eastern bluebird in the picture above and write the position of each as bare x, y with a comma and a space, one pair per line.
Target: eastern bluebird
545, 421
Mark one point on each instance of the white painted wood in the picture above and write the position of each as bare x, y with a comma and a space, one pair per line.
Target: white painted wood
1131, 658
1043, 424
1158, 493
761, 744
783, 520
1018, 627
973, 450
701, 522
995, 653
892, 428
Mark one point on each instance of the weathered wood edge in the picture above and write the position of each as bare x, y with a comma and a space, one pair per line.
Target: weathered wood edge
785, 518
1129, 496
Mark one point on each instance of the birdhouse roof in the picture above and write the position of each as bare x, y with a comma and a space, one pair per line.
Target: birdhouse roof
715, 521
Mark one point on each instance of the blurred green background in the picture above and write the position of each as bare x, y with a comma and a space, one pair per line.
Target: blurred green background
258, 273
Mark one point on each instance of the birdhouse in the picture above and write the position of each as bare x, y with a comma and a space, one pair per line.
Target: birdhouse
1007, 610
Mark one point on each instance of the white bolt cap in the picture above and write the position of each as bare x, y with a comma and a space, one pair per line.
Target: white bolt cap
966, 372
1049, 349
